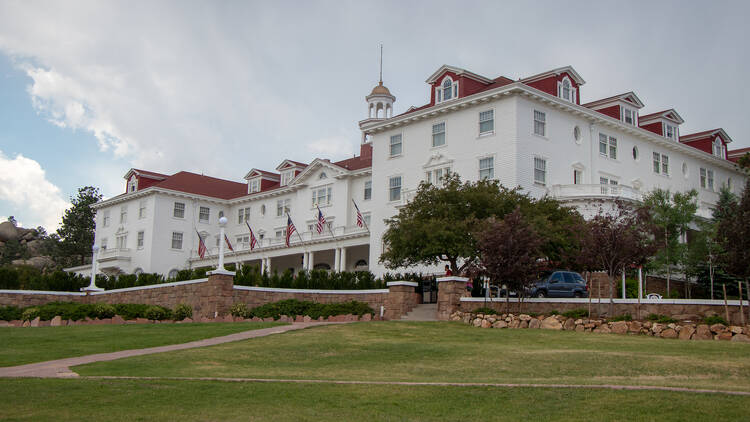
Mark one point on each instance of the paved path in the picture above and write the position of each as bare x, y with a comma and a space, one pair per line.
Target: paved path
423, 312
61, 368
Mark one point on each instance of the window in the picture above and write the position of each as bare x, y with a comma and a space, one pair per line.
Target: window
122, 241
540, 119
132, 185
140, 239
577, 134
670, 131
446, 91
718, 148
703, 178
729, 183
203, 214
263, 210
321, 196
661, 164
608, 146
366, 217
395, 145
104, 244
142, 209
176, 240
282, 207
710, 179
179, 210
123, 214
577, 177
540, 171
486, 122
707, 179
609, 186
287, 177
105, 218
628, 116
368, 190
243, 242
281, 233
487, 168
566, 91
438, 134
243, 215
394, 188
436, 176
253, 185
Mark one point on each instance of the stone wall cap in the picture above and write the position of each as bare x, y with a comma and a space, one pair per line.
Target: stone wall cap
41, 292
318, 291
453, 278
594, 301
221, 272
150, 286
402, 283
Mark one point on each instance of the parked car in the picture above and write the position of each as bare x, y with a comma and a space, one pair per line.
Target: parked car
560, 284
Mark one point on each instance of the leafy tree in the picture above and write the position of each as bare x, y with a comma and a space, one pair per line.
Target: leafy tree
671, 214
77, 230
734, 235
615, 239
703, 254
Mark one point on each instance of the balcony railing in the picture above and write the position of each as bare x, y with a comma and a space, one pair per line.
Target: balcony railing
588, 191
114, 253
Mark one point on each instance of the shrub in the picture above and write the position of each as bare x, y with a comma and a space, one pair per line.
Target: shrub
131, 310
182, 311
554, 312
714, 319
661, 319
103, 310
576, 313
9, 278
292, 307
30, 313
239, 309
10, 313
625, 317
485, 310
157, 313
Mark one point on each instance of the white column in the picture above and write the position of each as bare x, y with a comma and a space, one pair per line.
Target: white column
336, 259
640, 283
311, 260
222, 223
262, 265
343, 259
624, 296
304, 260
268, 265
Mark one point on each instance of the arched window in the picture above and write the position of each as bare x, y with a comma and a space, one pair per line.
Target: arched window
566, 91
172, 274
323, 175
718, 148
447, 89
361, 265
322, 266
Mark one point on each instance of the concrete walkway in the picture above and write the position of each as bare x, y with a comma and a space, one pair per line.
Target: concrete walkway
61, 368
422, 312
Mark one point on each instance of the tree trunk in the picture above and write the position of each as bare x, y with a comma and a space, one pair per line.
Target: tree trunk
711, 277
612, 286
668, 276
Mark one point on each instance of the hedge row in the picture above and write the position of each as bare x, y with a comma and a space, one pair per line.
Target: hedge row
294, 307
79, 311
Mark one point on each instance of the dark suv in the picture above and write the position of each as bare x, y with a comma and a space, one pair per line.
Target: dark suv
560, 284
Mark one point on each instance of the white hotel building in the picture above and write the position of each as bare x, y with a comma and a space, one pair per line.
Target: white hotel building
533, 133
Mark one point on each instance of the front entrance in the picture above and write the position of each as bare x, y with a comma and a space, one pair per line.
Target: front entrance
428, 288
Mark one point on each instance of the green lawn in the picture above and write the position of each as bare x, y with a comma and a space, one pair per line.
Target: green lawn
131, 400
27, 345
400, 351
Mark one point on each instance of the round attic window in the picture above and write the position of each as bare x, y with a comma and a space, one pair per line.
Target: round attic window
635, 153
577, 134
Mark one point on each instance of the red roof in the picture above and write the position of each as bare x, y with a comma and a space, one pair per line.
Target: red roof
199, 184
496, 83
355, 163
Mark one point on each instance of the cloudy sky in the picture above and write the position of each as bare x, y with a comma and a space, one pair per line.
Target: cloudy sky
89, 89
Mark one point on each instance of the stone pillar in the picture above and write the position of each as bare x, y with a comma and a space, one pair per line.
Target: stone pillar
336, 259
342, 263
217, 298
401, 299
450, 291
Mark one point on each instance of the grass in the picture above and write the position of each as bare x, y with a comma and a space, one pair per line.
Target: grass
454, 352
134, 400
28, 345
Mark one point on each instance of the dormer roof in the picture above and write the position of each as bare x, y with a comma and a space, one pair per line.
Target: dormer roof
628, 97
706, 134
261, 173
670, 115
556, 72
145, 173
458, 71
289, 164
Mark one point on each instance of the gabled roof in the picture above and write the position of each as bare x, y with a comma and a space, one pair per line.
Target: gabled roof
289, 163
258, 173
554, 72
670, 114
738, 152
355, 163
628, 97
706, 134
199, 184
145, 173
458, 71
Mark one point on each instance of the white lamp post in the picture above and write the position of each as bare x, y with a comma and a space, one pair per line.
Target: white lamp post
222, 224
92, 286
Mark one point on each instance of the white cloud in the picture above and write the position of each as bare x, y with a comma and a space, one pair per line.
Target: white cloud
23, 184
335, 148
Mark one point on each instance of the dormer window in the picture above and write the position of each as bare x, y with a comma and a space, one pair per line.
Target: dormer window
629, 116
253, 186
670, 131
287, 177
448, 90
132, 185
718, 148
566, 91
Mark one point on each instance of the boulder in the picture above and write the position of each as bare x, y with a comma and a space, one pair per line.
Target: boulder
184, 321
500, 324
718, 328
524, 317
741, 338
523, 324
604, 328
657, 328
726, 336
668, 333
269, 319
702, 332
486, 323
477, 322
142, 321
56, 321
735, 329
515, 323
8, 231
117, 319
634, 327
580, 328
551, 323
535, 323
367, 317
35, 322
39, 262
256, 319
569, 324
686, 333
620, 327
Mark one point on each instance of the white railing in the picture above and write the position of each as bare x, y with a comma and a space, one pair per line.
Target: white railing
114, 253
406, 197
604, 191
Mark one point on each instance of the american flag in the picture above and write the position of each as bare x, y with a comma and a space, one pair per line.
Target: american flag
253, 241
360, 218
289, 229
201, 246
321, 222
226, 239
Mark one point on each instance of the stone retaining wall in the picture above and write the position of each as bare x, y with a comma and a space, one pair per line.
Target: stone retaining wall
24, 298
257, 296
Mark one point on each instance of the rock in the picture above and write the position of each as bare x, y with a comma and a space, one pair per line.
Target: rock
741, 338
672, 326
500, 324
8, 231
620, 327
569, 324
35, 322
579, 321
117, 319
604, 328
523, 324
735, 329
634, 327
515, 323
702, 333
726, 336
535, 323
269, 319
580, 328
477, 322
648, 324
687, 332
184, 321
367, 317
657, 328
718, 328
524, 317
668, 333
39, 262
27, 323
56, 321
486, 324
551, 323
142, 321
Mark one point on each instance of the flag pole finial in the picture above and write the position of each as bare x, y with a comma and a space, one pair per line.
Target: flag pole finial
381, 64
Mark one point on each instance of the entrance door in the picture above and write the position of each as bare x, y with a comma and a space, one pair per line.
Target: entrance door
429, 290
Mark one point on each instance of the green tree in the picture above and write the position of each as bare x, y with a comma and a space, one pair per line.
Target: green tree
671, 215
734, 236
76, 232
